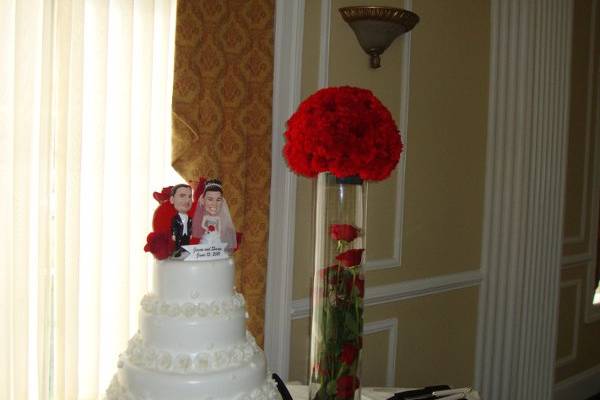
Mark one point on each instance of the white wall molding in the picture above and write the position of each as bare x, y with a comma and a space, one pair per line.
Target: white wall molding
384, 263
580, 236
402, 291
579, 387
592, 312
391, 326
323, 74
576, 322
576, 259
289, 24
524, 199
396, 260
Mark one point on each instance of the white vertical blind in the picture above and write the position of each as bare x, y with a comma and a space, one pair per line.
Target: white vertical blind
24, 176
526, 164
85, 104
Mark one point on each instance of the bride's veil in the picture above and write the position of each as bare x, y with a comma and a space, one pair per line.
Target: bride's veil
227, 229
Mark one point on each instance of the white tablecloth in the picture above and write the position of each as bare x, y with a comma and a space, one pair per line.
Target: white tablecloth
300, 392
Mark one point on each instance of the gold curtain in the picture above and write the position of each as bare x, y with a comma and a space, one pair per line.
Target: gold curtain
222, 93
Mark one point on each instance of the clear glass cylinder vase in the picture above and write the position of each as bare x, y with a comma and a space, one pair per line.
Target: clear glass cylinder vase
337, 289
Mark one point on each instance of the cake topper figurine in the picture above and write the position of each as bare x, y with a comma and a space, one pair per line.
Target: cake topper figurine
192, 222
181, 223
212, 222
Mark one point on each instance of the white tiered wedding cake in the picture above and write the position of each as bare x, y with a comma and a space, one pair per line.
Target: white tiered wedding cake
192, 342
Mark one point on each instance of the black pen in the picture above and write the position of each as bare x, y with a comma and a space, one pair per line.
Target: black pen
457, 396
410, 394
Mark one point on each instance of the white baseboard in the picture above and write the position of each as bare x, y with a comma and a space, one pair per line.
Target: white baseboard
580, 386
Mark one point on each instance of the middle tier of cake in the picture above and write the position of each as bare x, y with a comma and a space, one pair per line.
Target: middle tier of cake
186, 331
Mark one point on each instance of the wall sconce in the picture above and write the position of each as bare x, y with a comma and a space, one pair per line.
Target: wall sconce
376, 27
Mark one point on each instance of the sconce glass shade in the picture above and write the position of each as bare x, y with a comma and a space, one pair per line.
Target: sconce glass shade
376, 27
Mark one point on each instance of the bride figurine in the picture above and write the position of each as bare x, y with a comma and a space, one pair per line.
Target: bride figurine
212, 222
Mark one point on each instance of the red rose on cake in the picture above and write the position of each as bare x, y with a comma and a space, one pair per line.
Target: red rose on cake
159, 244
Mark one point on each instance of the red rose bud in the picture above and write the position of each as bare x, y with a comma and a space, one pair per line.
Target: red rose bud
350, 258
343, 232
349, 353
346, 385
211, 228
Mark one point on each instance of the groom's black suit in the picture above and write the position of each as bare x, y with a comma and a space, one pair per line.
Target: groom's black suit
181, 239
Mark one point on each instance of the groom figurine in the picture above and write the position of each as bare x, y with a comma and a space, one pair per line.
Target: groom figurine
181, 224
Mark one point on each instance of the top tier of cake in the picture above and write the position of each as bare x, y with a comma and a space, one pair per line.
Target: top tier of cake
195, 281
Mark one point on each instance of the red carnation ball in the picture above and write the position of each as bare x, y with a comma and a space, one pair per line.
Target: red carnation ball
343, 232
350, 258
344, 130
345, 386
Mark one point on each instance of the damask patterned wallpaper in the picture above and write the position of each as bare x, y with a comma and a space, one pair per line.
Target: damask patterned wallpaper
222, 95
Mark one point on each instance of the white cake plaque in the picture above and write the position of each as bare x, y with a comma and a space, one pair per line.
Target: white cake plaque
199, 252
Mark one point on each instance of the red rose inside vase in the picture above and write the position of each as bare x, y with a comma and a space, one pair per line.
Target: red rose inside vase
338, 291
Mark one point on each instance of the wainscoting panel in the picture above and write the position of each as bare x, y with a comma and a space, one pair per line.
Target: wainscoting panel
390, 327
568, 321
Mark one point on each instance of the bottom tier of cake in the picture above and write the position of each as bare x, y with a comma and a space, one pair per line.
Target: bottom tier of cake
248, 381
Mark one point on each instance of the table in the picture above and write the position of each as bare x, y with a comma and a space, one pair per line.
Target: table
300, 392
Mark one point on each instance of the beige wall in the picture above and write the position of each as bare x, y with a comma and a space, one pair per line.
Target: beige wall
436, 341
443, 186
578, 346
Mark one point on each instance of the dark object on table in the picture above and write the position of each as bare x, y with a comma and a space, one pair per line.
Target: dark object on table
285, 394
417, 394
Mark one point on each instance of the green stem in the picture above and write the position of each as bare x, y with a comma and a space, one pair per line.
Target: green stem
356, 298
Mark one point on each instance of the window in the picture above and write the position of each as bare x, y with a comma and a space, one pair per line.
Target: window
85, 105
